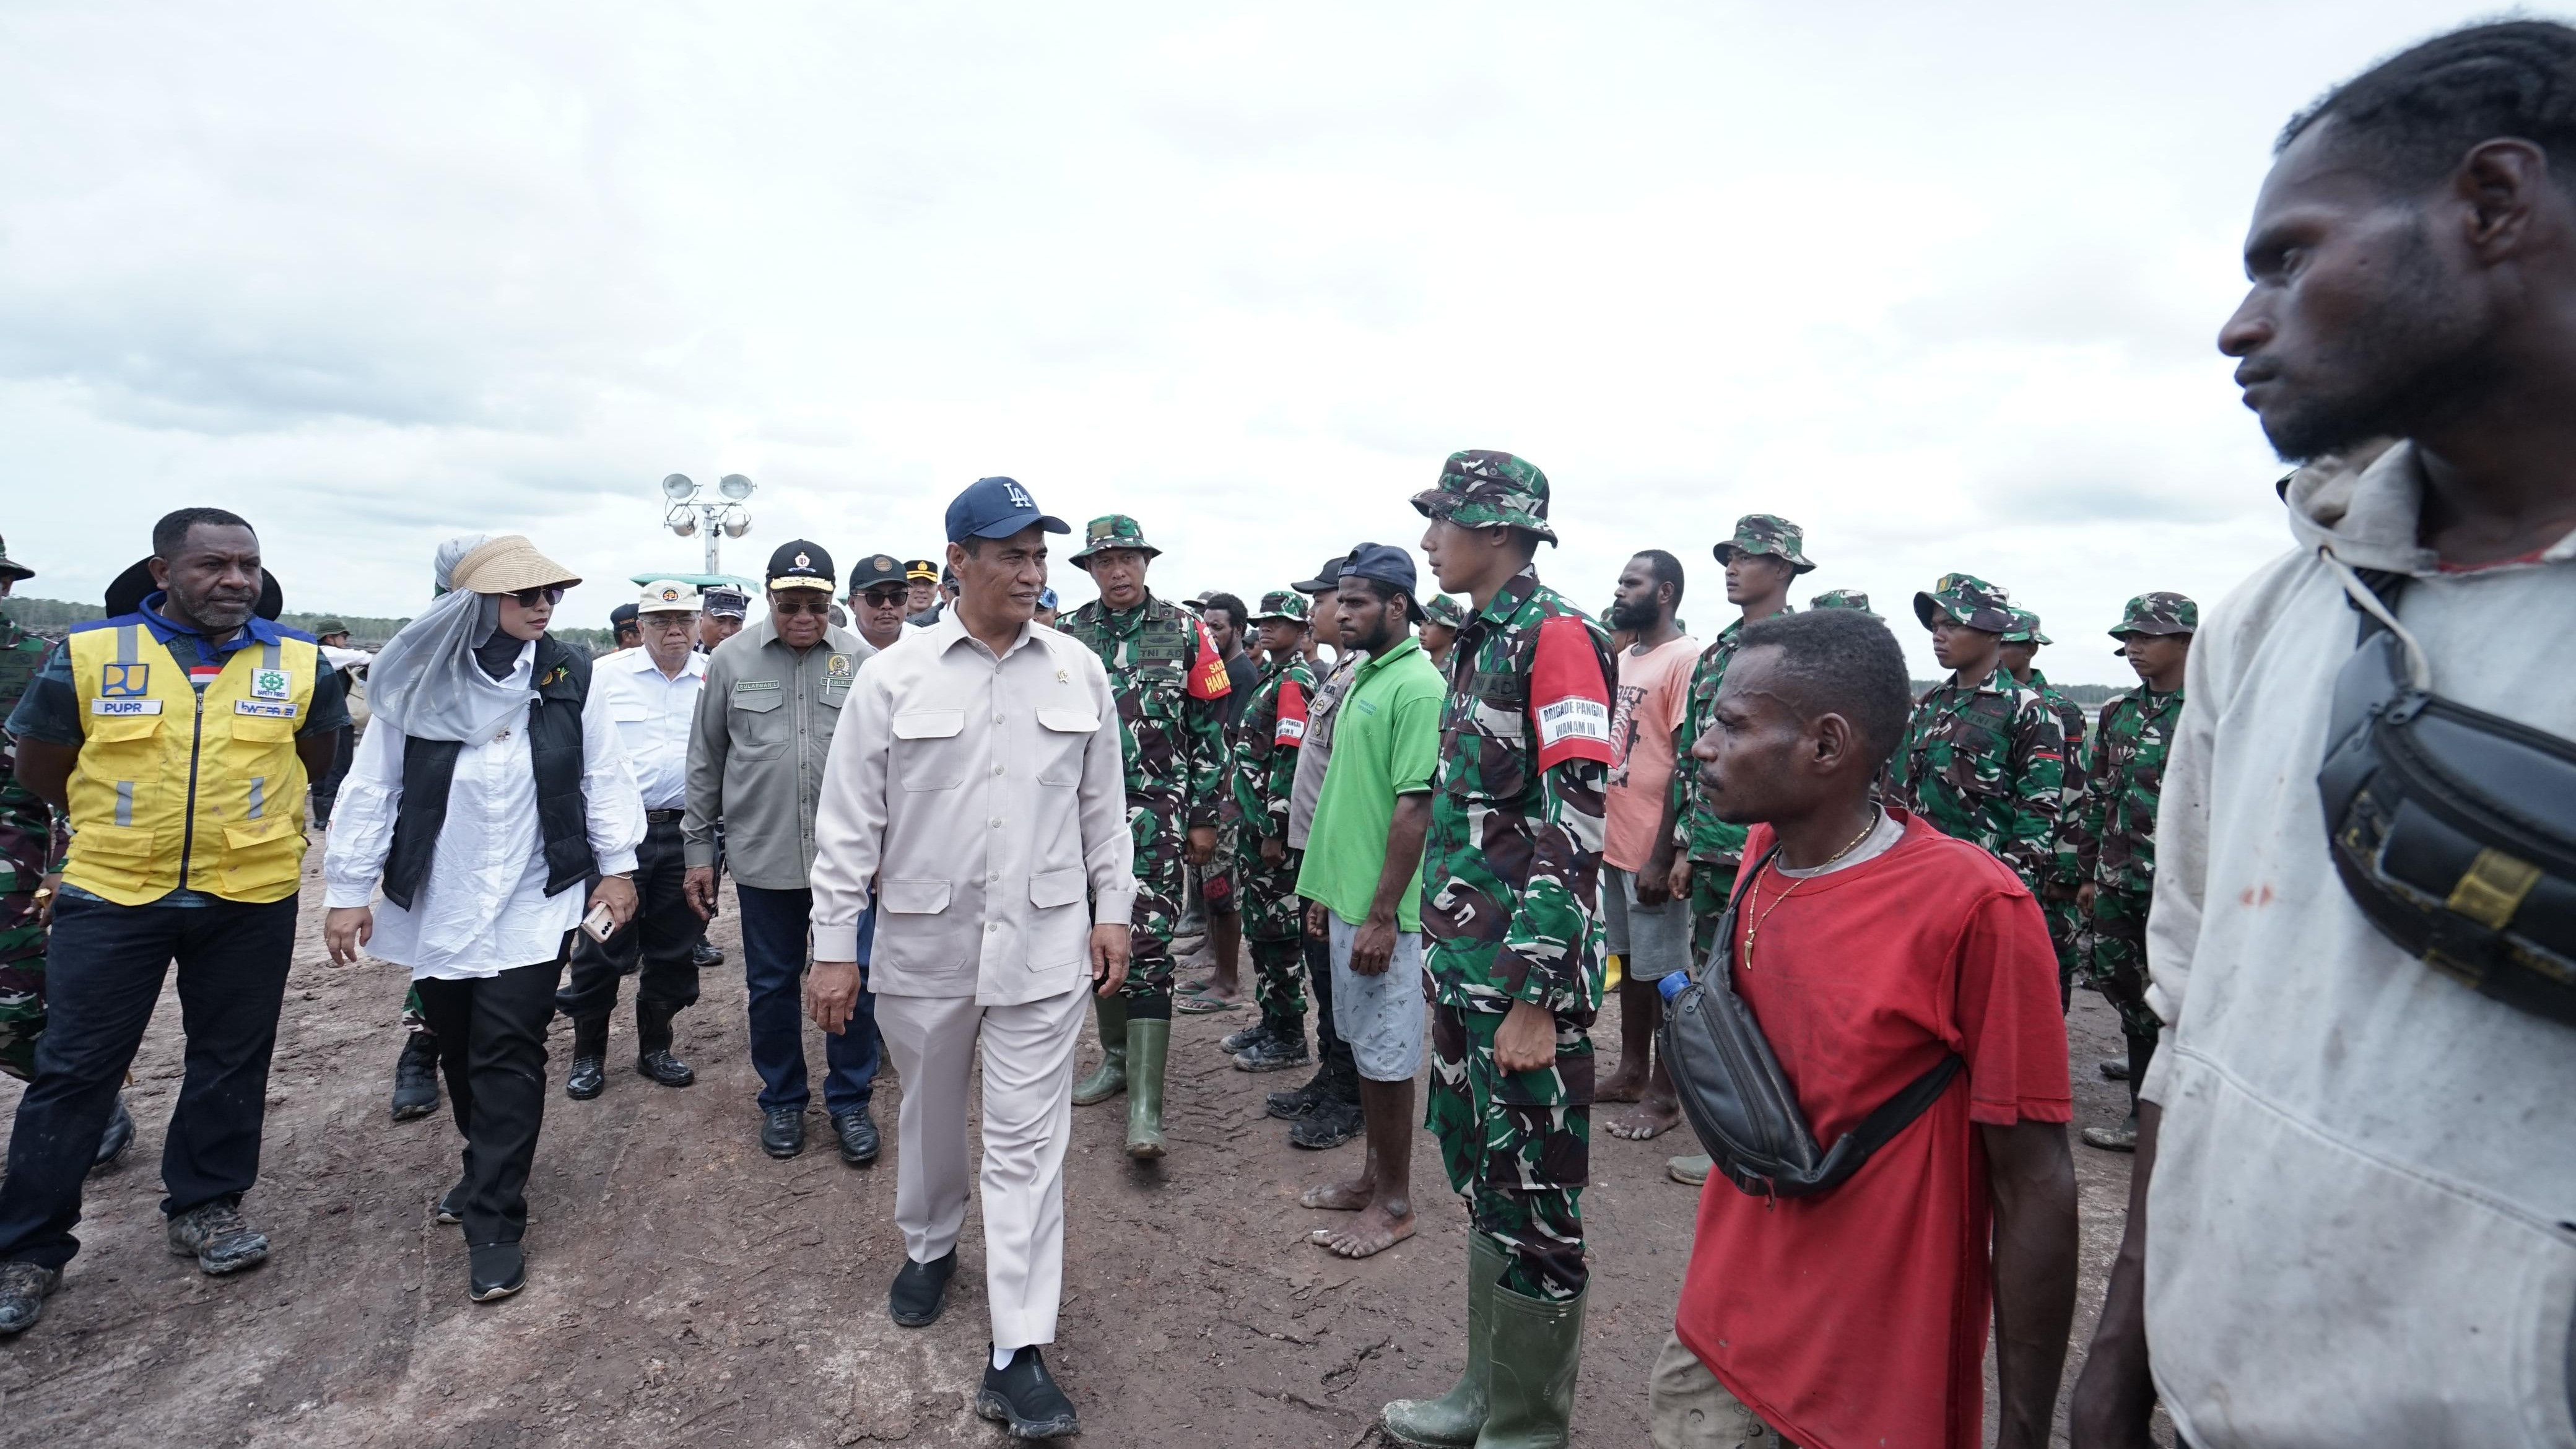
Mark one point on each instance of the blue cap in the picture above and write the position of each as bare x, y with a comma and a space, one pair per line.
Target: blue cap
1388, 565
1046, 598
996, 508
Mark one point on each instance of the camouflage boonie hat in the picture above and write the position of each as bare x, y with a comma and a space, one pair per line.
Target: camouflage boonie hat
1966, 599
1852, 599
2025, 629
1479, 488
1443, 610
2158, 613
1112, 530
10, 568
1769, 533
1283, 604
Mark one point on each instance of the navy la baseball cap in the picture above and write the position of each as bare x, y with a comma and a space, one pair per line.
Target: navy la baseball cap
1388, 565
997, 508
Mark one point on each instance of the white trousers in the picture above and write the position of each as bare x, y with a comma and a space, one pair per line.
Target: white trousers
1028, 1119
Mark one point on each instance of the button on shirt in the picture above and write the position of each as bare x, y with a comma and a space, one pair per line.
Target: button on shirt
940, 736
653, 714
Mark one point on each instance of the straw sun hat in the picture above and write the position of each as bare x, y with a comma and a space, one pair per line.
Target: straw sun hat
507, 564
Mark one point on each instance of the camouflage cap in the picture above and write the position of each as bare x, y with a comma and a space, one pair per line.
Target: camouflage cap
1966, 599
1479, 488
2158, 613
1282, 604
1852, 599
1443, 610
2025, 629
10, 568
1769, 533
1112, 530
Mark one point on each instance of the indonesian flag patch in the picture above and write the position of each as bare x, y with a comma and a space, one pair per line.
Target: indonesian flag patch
1291, 729
1569, 700
1208, 679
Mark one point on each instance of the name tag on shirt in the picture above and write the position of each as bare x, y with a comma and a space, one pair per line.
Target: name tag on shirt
746, 686
264, 709
124, 706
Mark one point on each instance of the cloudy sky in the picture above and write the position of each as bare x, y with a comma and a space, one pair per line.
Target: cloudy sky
1939, 283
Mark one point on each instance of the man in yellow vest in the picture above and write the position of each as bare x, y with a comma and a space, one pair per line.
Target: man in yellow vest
179, 739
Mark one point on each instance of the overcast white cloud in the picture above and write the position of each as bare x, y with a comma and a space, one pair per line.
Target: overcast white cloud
1939, 283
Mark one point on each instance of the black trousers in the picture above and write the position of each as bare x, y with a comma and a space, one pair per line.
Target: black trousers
654, 947
104, 970
1329, 1046
492, 1047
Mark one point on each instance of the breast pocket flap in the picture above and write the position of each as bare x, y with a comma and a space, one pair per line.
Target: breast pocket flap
758, 701
929, 724
913, 897
1056, 887
1069, 721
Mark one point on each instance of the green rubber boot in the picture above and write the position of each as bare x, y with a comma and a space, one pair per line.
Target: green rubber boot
1147, 1044
1537, 1346
1453, 1420
1109, 1078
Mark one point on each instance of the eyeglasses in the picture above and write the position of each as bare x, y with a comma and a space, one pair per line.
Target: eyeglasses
784, 603
881, 598
530, 598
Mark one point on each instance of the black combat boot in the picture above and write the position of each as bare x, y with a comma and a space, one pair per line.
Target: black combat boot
653, 1045
416, 1077
589, 1075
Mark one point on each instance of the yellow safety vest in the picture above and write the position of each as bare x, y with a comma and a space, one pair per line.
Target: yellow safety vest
176, 788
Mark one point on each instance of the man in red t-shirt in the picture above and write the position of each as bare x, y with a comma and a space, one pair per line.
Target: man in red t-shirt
1870, 947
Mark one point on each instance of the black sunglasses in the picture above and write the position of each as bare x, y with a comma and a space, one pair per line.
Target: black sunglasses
782, 603
880, 598
530, 598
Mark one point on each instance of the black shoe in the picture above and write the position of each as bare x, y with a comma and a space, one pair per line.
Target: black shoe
665, 1068
588, 1078
24, 1287
118, 1136
215, 1235
1025, 1397
920, 1289
857, 1132
1289, 1106
2114, 1069
1333, 1122
1246, 1039
782, 1131
705, 954
496, 1270
416, 1077
1280, 1053
451, 1204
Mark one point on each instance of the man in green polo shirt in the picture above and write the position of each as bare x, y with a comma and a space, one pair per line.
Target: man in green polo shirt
1363, 873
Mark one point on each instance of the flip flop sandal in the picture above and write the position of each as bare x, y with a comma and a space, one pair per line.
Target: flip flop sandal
1203, 1005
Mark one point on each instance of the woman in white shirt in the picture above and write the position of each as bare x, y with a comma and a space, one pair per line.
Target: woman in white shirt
482, 795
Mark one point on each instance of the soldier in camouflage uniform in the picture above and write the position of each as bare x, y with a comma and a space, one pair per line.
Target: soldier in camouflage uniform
31, 842
2114, 836
1984, 758
1510, 881
1441, 617
1171, 685
1852, 599
1263, 770
2021, 645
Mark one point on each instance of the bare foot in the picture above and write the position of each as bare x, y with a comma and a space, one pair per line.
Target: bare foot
1651, 1117
1339, 1197
1628, 1084
1374, 1231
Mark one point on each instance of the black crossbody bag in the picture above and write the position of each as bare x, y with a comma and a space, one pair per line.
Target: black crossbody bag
2454, 830
1741, 1104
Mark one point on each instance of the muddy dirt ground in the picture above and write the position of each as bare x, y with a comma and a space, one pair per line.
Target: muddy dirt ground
686, 1289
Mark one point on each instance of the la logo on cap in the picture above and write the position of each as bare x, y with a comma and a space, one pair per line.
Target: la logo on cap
1019, 499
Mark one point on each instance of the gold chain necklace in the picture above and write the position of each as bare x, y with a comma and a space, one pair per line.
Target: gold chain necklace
1755, 889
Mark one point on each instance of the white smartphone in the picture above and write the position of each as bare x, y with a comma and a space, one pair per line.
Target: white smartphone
599, 923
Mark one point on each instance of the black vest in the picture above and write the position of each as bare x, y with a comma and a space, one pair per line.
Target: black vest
554, 748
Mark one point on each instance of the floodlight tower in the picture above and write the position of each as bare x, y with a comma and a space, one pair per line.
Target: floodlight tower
726, 519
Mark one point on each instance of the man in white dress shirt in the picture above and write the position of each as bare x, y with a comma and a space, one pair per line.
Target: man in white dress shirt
651, 694
976, 788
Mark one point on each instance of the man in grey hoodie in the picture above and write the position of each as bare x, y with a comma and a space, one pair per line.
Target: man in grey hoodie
2350, 1219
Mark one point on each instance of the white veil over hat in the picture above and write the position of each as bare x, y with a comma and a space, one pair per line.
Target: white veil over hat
425, 682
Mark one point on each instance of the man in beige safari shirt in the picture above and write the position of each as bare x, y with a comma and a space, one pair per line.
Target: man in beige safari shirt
978, 794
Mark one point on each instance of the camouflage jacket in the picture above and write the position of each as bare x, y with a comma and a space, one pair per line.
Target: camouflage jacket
1703, 837
26, 823
2070, 720
1174, 739
1986, 764
2113, 836
1511, 868
1265, 755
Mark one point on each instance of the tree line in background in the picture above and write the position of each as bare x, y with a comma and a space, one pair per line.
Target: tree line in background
50, 617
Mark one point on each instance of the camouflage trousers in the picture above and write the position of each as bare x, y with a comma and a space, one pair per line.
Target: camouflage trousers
1162, 879
412, 1020
2066, 933
1273, 926
2118, 967
1220, 882
22, 949
1517, 1145
1710, 886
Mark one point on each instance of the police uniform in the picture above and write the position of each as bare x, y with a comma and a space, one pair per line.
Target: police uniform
2057, 902
1984, 762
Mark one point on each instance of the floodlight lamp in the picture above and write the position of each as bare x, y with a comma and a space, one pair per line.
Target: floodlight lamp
738, 524
734, 486
685, 527
678, 488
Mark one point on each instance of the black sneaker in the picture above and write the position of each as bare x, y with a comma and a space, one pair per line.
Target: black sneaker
451, 1204
215, 1235
118, 1136
919, 1291
24, 1287
1024, 1396
416, 1077
1289, 1106
1246, 1039
1334, 1121
495, 1270
705, 954
1279, 1053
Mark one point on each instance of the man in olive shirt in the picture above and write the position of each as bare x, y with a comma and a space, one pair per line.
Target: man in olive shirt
764, 727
